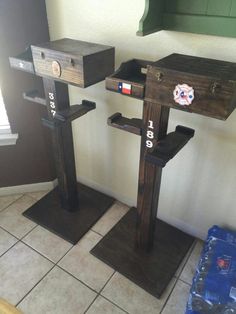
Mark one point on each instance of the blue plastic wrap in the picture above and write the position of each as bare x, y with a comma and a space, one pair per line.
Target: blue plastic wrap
214, 284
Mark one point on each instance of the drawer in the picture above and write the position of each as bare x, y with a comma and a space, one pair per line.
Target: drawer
23, 62
208, 90
129, 79
72, 61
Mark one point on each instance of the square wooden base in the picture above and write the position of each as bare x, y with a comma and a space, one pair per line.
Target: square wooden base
151, 271
70, 226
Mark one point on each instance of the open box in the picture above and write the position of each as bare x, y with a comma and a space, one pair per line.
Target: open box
129, 79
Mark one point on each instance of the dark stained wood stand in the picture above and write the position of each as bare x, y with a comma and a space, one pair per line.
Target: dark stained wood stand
143, 248
71, 208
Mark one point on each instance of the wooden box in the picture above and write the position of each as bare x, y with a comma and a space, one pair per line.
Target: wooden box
129, 79
193, 84
75, 62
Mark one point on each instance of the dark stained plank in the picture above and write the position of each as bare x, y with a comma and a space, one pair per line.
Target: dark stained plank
132, 72
169, 146
153, 270
129, 125
57, 99
71, 226
34, 96
73, 61
155, 120
213, 82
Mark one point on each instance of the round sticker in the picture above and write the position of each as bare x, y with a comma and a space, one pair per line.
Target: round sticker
183, 94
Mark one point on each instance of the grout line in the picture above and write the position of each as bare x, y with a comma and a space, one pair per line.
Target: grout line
21, 239
187, 283
5, 208
97, 232
90, 305
9, 249
170, 294
187, 259
9, 233
100, 295
33, 249
178, 277
20, 196
114, 303
100, 291
35, 285
66, 271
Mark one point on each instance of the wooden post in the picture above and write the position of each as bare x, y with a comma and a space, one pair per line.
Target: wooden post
57, 99
155, 123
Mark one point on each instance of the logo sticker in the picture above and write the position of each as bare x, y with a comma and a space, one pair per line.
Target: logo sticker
125, 88
183, 94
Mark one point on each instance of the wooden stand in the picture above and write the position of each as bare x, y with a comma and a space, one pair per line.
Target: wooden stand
71, 209
141, 247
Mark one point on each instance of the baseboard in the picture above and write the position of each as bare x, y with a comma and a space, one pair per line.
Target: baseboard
27, 188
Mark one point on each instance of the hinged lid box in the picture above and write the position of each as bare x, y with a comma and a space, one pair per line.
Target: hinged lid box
193, 84
73, 61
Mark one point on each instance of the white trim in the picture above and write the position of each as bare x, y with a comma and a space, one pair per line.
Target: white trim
27, 188
7, 138
5, 129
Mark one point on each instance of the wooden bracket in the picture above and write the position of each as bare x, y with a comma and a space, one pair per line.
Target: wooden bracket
34, 96
129, 125
68, 115
168, 147
23, 62
75, 111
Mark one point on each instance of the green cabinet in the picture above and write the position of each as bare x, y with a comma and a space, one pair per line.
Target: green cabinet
212, 17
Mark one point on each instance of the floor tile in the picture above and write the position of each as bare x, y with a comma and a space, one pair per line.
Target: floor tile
84, 266
38, 195
47, 243
132, 298
184, 261
6, 241
11, 218
58, 293
112, 216
7, 200
102, 306
20, 269
190, 267
178, 299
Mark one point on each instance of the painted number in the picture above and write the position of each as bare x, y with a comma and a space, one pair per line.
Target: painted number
52, 104
150, 134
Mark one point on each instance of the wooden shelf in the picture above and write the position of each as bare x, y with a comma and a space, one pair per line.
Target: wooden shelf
34, 96
129, 125
212, 17
65, 116
23, 62
167, 148
132, 74
75, 111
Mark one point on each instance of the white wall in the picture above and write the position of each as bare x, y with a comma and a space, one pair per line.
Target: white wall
199, 185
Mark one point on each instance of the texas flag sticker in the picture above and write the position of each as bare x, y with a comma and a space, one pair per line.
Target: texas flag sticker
125, 88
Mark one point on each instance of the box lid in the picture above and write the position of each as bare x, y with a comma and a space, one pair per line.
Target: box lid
76, 48
198, 66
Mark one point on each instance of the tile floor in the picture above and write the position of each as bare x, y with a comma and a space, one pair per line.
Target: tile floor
43, 274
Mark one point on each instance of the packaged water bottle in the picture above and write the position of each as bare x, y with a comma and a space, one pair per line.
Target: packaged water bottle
214, 284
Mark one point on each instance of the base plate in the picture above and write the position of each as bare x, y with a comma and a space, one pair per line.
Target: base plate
70, 226
151, 271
